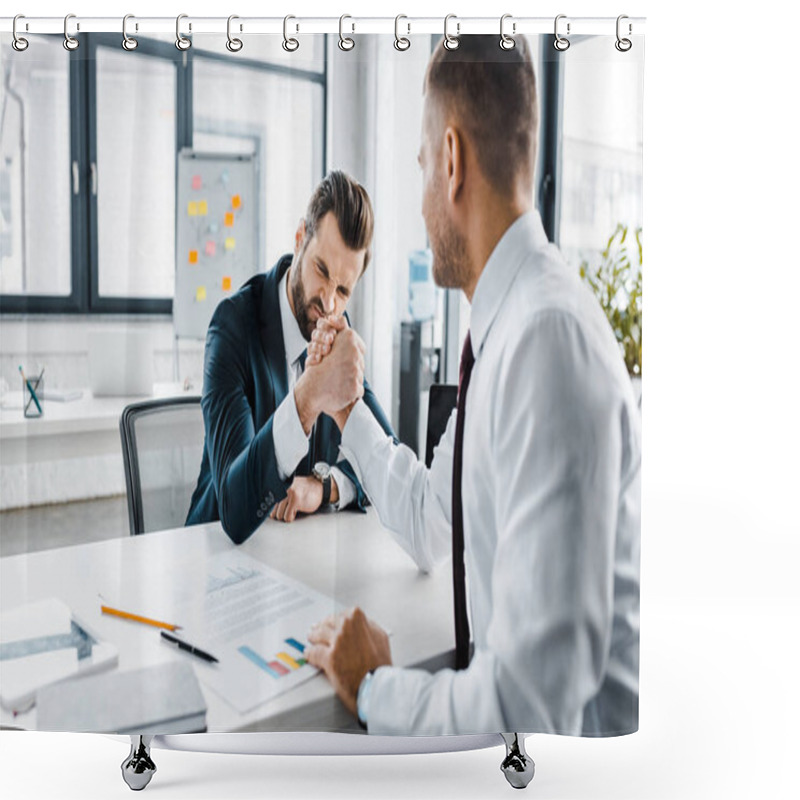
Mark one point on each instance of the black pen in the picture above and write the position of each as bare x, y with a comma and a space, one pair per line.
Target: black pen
195, 651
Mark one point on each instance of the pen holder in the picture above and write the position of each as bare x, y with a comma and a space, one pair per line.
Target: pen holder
33, 401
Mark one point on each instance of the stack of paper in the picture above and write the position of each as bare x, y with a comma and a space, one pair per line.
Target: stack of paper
43, 643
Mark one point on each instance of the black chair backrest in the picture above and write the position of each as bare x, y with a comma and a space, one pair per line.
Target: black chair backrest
441, 402
162, 447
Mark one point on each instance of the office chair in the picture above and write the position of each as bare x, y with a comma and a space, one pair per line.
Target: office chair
441, 402
162, 446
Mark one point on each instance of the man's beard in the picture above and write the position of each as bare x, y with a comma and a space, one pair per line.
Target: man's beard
450, 258
301, 304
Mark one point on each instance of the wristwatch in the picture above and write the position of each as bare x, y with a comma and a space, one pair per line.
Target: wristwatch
322, 472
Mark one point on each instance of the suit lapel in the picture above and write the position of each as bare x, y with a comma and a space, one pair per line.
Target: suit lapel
271, 331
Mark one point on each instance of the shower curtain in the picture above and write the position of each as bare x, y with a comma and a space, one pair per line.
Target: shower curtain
365, 313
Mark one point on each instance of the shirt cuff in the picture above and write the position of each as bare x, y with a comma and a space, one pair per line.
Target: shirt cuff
346, 487
291, 442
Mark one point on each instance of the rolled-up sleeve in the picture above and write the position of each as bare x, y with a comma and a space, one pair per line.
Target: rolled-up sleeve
412, 501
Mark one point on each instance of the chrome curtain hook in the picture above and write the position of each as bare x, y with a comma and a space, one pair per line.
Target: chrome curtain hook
506, 42
181, 42
560, 43
70, 42
233, 44
623, 45
401, 42
451, 42
345, 42
128, 42
290, 44
19, 43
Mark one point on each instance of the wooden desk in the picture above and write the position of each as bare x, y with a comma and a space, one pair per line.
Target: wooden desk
347, 556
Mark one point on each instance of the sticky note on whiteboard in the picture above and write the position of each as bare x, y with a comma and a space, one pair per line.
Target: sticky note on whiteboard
202, 208
236, 201
211, 248
229, 219
200, 294
230, 243
193, 256
197, 181
226, 283
192, 210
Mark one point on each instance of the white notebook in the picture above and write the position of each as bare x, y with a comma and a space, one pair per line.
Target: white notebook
165, 698
42, 643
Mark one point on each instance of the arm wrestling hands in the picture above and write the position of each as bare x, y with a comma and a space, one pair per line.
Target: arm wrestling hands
348, 645
333, 388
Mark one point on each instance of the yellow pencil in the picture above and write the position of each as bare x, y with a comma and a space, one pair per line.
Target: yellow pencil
136, 618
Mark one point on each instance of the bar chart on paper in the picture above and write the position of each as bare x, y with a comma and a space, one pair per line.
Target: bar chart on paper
283, 663
254, 619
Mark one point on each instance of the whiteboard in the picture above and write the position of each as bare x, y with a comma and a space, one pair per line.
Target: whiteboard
216, 237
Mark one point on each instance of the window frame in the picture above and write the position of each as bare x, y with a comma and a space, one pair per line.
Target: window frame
84, 297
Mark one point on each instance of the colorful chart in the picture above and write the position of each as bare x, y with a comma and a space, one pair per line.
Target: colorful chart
282, 664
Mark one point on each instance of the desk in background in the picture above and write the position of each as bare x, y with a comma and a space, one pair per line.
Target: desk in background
70, 453
347, 556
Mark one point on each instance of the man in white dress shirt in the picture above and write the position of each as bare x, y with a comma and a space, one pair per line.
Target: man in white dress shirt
550, 476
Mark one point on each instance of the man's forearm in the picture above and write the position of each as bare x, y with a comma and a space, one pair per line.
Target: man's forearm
306, 400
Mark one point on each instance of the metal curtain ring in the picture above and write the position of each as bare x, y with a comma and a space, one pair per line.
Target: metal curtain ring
401, 42
560, 43
70, 42
181, 42
451, 42
506, 42
345, 42
290, 44
128, 42
233, 44
19, 43
623, 45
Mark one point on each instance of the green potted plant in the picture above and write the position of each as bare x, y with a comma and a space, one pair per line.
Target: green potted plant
616, 281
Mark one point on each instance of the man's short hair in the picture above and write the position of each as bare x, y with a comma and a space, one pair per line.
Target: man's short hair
350, 204
493, 93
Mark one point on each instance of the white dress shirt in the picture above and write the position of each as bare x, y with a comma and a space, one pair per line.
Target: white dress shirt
291, 442
551, 501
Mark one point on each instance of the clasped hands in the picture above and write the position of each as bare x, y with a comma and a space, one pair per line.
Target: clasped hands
333, 381
333, 388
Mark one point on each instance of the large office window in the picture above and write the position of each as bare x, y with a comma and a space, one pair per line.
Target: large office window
601, 146
260, 107
35, 172
136, 123
88, 152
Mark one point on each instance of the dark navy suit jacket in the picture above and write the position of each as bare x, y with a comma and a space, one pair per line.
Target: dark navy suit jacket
244, 382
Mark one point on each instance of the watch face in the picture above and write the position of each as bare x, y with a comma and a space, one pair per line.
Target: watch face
322, 470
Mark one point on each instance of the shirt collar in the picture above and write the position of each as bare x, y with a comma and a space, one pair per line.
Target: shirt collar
526, 233
293, 340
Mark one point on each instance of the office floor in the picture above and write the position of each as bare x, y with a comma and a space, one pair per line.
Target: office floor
27, 530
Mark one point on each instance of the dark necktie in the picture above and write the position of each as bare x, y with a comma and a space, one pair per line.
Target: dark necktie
459, 585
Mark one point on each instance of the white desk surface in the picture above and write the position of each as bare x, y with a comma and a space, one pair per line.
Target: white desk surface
347, 556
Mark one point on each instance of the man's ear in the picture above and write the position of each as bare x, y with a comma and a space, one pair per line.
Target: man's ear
299, 236
454, 155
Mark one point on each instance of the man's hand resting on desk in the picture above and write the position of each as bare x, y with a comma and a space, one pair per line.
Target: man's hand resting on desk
304, 496
323, 341
346, 647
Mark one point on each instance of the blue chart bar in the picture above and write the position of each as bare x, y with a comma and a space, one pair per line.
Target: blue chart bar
297, 646
258, 661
